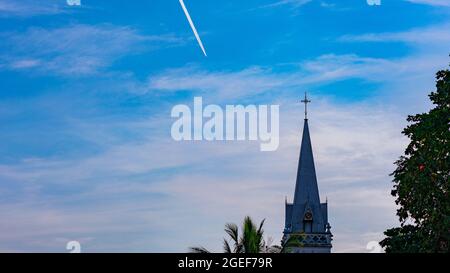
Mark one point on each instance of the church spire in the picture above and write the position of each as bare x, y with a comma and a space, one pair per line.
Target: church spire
306, 215
306, 188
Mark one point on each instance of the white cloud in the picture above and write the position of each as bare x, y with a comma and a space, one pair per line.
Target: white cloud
29, 8
444, 3
293, 3
436, 35
410, 76
140, 193
299, 3
414, 72
354, 148
224, 84
25, 63
76, 49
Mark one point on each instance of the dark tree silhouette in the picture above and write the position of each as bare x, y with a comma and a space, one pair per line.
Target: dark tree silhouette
421, 180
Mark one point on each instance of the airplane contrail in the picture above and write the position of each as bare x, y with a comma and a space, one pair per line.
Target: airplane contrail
193, 27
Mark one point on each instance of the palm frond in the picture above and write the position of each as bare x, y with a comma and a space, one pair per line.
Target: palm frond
226, 246
251, 239
198, 249
233, 231
251, 236
260, 236
239, 248
260, 229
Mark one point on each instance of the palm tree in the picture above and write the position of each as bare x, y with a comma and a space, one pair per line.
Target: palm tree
250, 241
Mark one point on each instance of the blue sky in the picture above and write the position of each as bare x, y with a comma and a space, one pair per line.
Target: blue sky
85, 99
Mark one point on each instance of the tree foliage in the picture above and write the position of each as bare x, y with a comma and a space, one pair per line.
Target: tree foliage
421, 179
250, 241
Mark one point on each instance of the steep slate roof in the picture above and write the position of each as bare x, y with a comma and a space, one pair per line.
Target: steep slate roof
306, 197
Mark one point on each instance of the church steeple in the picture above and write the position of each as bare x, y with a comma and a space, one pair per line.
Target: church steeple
306, 215
306, 184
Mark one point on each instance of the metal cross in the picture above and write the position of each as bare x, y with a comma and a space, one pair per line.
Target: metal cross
306, 101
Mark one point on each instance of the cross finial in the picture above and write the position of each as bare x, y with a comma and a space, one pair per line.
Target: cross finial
306, 101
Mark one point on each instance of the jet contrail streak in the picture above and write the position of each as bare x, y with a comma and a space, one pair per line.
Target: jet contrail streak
193, 27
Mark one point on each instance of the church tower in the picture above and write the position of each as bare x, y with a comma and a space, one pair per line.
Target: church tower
306, 216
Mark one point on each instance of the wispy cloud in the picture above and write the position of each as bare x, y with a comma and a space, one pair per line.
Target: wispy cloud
29, 8
436, 35
76, 49
444, 3
137, 182
153, 177
293, 3
312, 73
149, 193
150, 178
